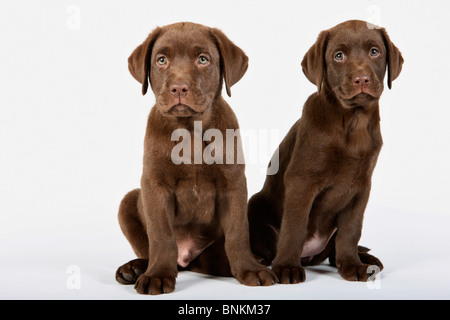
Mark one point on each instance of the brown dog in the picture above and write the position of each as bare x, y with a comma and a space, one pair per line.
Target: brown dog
313, 207
188, 212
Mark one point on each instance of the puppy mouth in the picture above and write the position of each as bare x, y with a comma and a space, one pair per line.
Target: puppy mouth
182, 110
361, 99
362, 96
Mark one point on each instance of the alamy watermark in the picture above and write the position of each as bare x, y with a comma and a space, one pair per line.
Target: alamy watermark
73, 21
73, 281
214, 146
374, 280
374, 16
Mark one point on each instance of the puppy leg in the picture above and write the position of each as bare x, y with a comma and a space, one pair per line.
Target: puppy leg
232, 212
363, 254
158, 212
369, 259
352, 264
131, 224
330, 253
263, 228
135, 233
299, 198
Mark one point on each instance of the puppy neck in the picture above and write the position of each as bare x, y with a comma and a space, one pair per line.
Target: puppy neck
356, 130
169, 123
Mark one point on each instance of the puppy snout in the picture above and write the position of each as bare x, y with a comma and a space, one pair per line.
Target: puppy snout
361, 81
179, 89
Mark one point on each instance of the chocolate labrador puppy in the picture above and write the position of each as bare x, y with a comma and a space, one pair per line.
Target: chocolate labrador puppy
312, 209
188, 212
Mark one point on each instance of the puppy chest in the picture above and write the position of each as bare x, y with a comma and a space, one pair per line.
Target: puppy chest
333, 199
341, 166
195, 201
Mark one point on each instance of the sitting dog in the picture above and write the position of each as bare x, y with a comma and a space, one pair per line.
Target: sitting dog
312, 209
188, 214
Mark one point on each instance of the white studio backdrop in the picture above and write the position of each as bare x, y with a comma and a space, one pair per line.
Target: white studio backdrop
72, 119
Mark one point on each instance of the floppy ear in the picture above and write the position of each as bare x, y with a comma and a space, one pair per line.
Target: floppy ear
394, 58
313, 64
233, 61
139, 61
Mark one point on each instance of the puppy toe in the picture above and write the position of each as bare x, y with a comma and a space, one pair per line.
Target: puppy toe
267, 277
130, 271
290, 274
154, 285
357, 272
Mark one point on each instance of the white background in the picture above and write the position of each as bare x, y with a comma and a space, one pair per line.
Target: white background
72, 121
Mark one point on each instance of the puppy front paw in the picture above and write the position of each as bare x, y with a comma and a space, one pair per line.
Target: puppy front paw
256, 276
155, 284
289, 274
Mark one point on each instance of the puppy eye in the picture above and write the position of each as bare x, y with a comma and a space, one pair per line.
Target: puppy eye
339, 56
162, 61
374, 52
202, 60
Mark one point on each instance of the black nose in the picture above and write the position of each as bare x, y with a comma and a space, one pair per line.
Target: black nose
180, 89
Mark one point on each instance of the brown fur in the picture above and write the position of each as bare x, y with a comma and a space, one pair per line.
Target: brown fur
327, 158
199, 208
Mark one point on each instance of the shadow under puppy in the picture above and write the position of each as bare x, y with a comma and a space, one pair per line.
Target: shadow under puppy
188, 214
312, 209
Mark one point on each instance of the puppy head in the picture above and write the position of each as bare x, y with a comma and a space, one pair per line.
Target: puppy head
186, 64
350, 60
